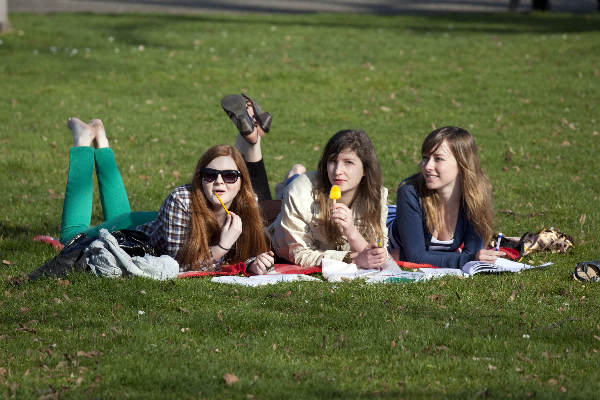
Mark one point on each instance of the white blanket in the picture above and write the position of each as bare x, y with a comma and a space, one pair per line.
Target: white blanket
260, 280
336, 271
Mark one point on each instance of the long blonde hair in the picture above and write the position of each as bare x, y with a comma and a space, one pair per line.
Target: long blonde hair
367, 200
204, 229
476, 190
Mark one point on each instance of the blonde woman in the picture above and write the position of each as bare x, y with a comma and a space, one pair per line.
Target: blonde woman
444, 213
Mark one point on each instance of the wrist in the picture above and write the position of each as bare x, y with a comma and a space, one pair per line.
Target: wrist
352, 233
223, 247
217, 252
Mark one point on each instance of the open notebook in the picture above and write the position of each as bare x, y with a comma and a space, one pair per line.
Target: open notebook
476, 267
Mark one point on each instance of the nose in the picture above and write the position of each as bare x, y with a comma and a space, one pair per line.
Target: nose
338, 168
219, 180
428, 165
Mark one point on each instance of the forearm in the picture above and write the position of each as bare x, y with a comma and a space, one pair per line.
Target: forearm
309, 257
442, 259
218, 253
356, 241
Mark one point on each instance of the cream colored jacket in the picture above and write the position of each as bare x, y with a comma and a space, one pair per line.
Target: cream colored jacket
297, 235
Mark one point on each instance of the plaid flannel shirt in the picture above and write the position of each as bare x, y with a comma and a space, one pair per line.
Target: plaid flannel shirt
169, 230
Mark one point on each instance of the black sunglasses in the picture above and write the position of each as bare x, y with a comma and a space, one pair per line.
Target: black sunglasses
228, 175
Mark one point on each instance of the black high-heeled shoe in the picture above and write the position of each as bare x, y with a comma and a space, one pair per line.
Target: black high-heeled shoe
263, 118
236, 107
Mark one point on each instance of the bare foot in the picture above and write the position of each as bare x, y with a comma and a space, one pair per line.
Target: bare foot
258, 131
297, 169
101, 139
83, 134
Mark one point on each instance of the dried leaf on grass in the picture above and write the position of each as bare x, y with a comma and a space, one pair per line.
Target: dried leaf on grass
88, 354
435, 297
230, 379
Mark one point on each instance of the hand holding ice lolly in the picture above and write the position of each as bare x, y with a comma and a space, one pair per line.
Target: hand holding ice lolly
335, 193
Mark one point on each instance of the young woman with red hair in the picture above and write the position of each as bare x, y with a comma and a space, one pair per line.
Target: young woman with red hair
191, 226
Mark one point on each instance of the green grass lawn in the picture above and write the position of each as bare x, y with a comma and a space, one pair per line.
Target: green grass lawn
526, 86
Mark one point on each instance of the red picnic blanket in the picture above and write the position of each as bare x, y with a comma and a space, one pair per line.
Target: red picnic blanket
240, 268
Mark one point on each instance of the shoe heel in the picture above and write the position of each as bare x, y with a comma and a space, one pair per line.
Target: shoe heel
264, 120
235, 107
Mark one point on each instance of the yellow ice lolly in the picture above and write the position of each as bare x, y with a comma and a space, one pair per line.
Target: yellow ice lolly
223, 204
335, 193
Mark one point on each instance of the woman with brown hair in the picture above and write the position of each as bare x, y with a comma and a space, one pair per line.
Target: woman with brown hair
311, 227
446, 206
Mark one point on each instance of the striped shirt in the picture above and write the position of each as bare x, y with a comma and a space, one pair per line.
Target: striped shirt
440, 245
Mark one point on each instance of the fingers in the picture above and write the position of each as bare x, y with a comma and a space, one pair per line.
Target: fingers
377, 255
236, 221
263, 263
267, 257
341, 214
371, 257
255, 269
489, 255
232, 222
227, 223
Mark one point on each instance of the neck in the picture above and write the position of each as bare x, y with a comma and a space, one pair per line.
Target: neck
451, 194
220, 214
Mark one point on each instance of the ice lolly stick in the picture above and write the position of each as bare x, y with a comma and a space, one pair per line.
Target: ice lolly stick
223, 204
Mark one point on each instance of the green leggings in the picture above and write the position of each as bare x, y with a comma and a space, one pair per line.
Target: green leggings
77, 208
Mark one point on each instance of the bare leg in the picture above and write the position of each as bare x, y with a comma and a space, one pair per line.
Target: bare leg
83, 134
250, 152
250, 147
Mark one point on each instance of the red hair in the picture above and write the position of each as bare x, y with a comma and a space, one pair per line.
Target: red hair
204, 230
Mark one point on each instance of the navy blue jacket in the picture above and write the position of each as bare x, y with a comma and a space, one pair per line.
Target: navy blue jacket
409, 231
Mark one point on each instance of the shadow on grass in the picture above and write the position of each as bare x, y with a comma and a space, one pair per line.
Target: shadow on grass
13, 232
132, 29
405, 7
